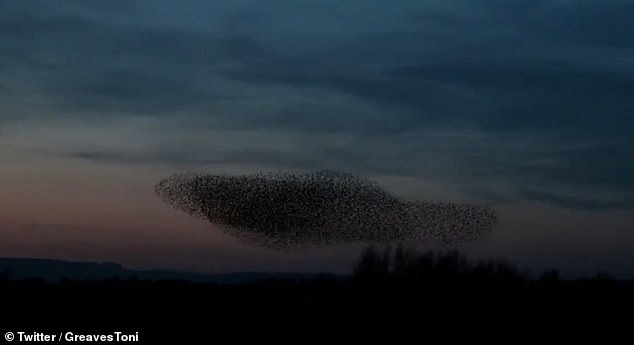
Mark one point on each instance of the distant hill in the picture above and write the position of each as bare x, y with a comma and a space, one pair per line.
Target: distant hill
56, 270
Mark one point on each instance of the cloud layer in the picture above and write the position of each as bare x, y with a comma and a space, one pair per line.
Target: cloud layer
503, 99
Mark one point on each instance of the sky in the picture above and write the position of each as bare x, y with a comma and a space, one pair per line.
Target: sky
524, 106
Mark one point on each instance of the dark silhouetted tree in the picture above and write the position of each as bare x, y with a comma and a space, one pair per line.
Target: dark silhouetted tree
373, 264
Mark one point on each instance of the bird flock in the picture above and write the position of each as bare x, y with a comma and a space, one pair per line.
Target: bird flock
290, 211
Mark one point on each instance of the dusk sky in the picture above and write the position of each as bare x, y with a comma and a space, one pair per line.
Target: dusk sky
527, 106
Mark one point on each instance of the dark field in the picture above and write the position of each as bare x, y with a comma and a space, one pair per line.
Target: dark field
391, 295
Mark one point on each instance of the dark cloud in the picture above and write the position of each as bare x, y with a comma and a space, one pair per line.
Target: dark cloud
524, 75
552, 72
85, 64
577, 202
515, 93
598, 165
183, 158
543, 22
586, 23
130, 90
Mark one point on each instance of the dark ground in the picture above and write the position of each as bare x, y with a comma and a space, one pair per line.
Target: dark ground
426, 298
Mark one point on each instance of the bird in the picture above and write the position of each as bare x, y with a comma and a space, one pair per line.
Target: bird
289, 211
